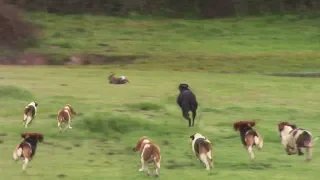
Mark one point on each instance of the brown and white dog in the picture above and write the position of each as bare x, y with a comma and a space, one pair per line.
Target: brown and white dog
293, 139
249, 136
115, 80
202, 148
30, 112
149, 153
64, 115
27, 148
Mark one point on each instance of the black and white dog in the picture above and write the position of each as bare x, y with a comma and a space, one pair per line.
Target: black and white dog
29, 113
202, 148
187, 102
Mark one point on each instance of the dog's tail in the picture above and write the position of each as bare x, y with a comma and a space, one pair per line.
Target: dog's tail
314, 141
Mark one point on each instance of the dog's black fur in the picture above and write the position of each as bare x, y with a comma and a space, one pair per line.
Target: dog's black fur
187, 102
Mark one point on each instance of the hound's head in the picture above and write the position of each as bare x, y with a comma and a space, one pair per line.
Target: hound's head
196, 136
183, 87
139, 145
282, 126
111, 75
284, 129
37, 136
68, 106
34, 103
239, 125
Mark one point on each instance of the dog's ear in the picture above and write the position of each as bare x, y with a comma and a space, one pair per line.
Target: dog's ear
24, 135
236, 126
192, 137
36, 104
183, 86
293, 126
281, 125
251, 123
40, 137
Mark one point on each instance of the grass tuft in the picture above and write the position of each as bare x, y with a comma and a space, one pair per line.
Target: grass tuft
145, 106
17, 93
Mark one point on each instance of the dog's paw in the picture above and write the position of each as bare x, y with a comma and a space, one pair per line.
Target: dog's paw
140, 170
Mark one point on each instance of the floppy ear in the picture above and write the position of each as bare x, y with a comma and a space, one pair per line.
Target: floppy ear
40, 137
24, 135
237, 125
281, 125
293, 126
139, 143
251, 123
192, 137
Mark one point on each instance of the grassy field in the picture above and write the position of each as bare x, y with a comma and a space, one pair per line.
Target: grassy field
286, 43
112, 118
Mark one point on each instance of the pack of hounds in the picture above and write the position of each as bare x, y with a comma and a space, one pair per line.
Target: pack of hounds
292, 138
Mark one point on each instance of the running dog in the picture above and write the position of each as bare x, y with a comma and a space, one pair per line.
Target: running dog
30, 112
249, 136
294, 139
64, 115
202, 148
149, 153
27, 148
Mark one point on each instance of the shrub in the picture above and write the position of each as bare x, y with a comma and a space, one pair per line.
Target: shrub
15, 32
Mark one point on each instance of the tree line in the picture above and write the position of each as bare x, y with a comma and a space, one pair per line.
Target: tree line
171, 8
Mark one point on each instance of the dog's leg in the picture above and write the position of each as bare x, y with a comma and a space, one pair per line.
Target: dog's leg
146, 169
69, 125
59, 126
309, 153
142, 164
29, 119
300, 153
25, 163
250, 150
204, 159
209, 156
24, 119
187, 117
194, 114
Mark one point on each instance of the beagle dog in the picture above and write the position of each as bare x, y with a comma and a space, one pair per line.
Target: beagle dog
202, 148
149, 153
27, 148
249, 136
64, 115
30, 112
294, 139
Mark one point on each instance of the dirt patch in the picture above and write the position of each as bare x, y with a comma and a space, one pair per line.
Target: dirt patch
100, 59
61, 176
24, 60
55, 59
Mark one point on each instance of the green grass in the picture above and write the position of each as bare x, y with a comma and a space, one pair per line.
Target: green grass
203, 53
229, 46
112, 118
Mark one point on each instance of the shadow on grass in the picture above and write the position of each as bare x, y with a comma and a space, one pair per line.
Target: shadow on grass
301, 75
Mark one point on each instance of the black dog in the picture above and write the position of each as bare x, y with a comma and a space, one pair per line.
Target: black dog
187, 102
